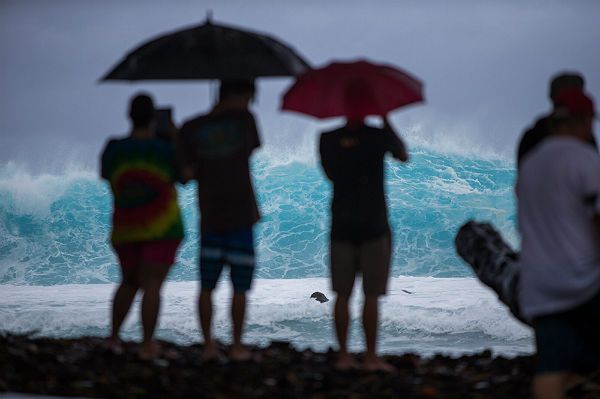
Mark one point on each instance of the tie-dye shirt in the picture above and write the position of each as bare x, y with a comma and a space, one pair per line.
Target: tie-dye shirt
141, 173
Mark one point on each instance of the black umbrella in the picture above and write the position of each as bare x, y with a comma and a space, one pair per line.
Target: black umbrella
209, 51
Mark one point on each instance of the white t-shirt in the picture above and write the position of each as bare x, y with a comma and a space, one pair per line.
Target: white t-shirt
558, 190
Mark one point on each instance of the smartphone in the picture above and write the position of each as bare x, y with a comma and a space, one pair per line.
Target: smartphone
164, 123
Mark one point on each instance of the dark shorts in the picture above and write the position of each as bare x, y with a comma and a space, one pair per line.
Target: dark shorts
132, 255
236, 249
371, 258
569, 341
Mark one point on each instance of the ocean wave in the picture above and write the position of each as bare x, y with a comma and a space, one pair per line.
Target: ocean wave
54, 228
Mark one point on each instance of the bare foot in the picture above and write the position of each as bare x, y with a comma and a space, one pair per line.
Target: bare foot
346, 362
238, 353
210, 352
114, 345
149, 350
374, 363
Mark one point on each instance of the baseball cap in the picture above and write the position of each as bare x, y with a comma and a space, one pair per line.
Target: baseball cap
573, 103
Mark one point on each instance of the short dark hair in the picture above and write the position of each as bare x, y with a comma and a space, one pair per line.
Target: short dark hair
233, 87
141, 110
563, 81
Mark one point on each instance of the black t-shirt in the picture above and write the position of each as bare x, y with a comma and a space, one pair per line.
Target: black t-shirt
218, 148
353, 161
532, 137
535, 135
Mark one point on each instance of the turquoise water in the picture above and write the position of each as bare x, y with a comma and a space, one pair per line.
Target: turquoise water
57, 271
54, 228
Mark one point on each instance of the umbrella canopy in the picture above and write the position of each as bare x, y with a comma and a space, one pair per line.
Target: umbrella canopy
209, 51
352, 89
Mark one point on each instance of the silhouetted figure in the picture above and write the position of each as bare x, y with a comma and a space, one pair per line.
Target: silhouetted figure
558, 190
540, 130
216, 148
353, 159
146, 221
480, 245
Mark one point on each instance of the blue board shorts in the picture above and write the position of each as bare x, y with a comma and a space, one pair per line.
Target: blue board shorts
232, 248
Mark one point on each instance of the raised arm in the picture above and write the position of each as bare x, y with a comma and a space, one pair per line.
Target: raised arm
397, 146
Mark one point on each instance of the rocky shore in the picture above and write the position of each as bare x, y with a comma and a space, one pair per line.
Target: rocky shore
84, 367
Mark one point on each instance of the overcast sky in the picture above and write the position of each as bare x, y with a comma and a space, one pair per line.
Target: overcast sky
485, 65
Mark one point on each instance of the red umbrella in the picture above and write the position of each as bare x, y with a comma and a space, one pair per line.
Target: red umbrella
352, 89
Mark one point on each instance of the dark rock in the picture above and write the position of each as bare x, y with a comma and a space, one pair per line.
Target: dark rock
86, 369
319, 296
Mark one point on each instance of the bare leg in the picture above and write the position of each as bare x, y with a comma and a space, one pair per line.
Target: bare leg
370, 320
152, 278
121, 304
551, 385
205, 309
342, 319
238, 312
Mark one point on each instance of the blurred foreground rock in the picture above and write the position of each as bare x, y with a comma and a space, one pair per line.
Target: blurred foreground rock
83, 367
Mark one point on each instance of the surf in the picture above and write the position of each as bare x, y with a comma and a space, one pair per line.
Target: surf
442, 315
55, 228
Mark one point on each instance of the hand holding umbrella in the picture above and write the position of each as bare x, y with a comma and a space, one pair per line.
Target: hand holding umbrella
402, 155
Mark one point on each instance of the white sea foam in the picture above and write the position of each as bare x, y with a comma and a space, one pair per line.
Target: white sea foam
454, 315
33, 194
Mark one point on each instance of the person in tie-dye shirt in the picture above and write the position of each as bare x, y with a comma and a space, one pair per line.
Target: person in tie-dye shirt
146, 222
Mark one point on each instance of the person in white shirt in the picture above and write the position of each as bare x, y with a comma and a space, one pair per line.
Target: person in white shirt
558, 190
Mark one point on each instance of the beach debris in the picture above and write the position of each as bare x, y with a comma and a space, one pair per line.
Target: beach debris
408, 292
319, 296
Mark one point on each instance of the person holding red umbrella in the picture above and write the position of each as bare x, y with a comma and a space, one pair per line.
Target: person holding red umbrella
352, 157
